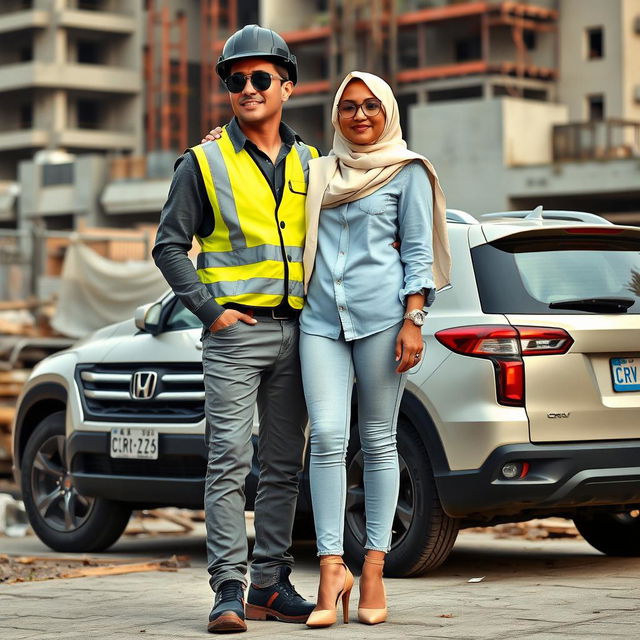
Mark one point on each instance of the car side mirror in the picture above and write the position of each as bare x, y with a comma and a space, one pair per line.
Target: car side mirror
147, 317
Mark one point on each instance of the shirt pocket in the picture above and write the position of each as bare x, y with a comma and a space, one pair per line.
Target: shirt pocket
298, 186
376, 204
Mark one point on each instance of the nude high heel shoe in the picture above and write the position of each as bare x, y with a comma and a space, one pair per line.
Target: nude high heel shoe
327, 617
373, 616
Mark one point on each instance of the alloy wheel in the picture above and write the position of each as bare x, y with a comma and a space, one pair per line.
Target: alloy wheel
355, 511
54, 495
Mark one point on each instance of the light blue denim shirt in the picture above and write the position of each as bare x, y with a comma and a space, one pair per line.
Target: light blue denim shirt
360, 281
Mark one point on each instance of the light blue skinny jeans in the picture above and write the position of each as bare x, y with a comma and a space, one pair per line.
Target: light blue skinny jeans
328, 370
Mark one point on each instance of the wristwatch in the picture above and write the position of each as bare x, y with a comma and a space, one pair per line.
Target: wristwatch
416, 316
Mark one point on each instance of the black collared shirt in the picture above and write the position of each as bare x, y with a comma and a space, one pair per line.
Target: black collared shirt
187, 212
274, 173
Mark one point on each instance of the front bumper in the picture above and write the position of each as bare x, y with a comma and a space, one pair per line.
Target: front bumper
561, 476
176, 478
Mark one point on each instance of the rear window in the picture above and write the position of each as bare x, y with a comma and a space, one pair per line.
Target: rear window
527, 275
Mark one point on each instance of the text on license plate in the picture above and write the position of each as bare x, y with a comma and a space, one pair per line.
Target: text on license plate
134, 443
625, 373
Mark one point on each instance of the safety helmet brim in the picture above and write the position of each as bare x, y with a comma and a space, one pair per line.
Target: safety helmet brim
254, 41
223, 67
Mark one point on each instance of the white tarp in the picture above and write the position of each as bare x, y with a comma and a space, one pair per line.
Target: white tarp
96, 291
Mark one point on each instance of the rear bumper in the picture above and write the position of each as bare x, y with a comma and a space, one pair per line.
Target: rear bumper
560, 476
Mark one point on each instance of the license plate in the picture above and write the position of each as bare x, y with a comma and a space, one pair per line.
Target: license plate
134, 443
625, 373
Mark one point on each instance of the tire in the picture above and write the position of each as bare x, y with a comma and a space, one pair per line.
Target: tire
423, 534
614, 532
62, 518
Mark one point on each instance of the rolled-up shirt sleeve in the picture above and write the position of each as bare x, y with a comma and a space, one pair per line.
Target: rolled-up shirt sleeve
180, 220
415, 217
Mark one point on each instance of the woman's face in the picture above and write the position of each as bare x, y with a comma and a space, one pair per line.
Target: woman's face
363, 127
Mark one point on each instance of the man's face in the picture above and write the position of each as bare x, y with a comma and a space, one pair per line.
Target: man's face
253, 106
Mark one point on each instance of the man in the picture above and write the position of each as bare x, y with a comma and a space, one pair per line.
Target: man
243, 197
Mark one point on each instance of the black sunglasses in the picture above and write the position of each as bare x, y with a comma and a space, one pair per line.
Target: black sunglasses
261, 81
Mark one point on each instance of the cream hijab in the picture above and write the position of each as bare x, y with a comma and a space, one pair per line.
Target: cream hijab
353, 171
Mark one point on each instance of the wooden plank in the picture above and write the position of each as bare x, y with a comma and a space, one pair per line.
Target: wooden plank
14, 376
10, 389
6, 415
65, 559
6, 455
182, 521
17, 305
114, 570
443, 13
443, 71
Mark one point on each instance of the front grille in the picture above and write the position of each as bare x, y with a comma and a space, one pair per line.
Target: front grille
107, 392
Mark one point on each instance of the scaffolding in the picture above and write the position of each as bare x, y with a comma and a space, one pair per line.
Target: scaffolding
357, 34
368, 34
218, 19
166, 75
373, 24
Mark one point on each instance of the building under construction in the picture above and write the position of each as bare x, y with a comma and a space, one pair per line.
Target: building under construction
134, 83
428, 51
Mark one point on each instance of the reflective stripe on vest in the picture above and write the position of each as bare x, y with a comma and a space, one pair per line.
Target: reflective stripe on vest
242, 261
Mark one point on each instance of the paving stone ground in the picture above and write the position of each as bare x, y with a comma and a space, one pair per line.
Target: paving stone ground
539, 590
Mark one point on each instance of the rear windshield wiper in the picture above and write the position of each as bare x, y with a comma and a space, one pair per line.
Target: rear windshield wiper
597, 305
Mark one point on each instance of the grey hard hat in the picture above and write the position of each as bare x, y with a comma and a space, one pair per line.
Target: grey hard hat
254, 41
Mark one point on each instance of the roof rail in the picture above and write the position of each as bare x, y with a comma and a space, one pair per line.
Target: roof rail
539, 214
457, 215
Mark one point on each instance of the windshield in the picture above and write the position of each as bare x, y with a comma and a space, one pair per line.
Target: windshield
181, 318
525, 276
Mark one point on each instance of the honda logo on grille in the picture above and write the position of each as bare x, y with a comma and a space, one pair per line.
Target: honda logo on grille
143, 384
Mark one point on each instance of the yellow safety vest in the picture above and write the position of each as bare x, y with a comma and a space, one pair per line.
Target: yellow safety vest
243, 260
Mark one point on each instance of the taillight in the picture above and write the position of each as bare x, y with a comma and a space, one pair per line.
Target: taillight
505, 346
509, 381
481, 341
543, 341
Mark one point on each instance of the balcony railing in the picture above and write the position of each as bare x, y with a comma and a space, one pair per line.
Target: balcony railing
599, 140
11, 6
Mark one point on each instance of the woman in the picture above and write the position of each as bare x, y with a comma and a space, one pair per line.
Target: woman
362, 320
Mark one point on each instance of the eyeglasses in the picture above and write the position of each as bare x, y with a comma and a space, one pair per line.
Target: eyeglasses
369, 107
261, 81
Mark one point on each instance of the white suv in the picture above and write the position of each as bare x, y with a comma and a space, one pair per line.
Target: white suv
527, 403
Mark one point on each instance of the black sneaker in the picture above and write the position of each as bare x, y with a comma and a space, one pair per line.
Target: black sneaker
227, 615
279, 601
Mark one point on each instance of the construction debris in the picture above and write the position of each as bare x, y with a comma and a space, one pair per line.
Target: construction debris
533, 529
167, 522
16, 319
11, 383
34, 568
13, 517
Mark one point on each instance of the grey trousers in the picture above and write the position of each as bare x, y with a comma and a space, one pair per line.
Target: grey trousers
244, 364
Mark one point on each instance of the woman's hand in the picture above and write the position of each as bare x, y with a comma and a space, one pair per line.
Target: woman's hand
409, 344
214, 134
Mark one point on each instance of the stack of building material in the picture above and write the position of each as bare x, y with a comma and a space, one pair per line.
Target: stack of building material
11, 383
